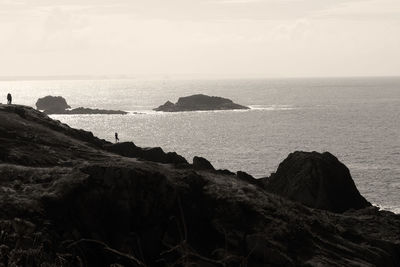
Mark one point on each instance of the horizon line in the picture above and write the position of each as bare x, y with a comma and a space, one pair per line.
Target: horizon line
174, 76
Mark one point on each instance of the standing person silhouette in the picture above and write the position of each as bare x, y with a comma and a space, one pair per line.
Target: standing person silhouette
9, 98
116, 138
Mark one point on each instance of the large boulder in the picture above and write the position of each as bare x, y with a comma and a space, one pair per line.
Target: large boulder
157, 154
199, 102
52, 104
318, 181
200, 163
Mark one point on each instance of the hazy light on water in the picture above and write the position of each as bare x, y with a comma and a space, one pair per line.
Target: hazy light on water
358, 120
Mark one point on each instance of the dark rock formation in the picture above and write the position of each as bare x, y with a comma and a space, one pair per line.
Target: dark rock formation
199, 102
200, 163
316, 180
166, 106
65, 200
126, 149
156, 154
244, 176
225, 172
58, 105
81, 110
52, 104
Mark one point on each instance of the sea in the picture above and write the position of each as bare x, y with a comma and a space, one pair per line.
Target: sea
356, 119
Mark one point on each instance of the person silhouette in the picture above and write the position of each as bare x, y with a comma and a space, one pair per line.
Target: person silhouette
9, 98
116, 138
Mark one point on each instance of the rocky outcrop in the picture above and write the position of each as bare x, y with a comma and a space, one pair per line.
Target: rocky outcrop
199, 102
200, 163
166, 106
52, 104
318, 181
156, 154
70, 199
58, 105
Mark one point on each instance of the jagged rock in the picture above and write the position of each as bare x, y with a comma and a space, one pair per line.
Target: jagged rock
156, 154
316, 180
200, 163
199, 102
52, 104
105, 209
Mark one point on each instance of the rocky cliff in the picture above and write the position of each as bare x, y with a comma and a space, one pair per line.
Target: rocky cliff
68, 198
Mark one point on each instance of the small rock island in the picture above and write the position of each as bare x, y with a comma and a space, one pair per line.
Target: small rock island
200, 102
58, 105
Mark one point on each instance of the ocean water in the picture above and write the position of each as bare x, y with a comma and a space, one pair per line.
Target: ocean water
356, 119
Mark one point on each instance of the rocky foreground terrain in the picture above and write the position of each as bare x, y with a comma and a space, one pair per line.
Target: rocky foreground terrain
68, 198
199, 102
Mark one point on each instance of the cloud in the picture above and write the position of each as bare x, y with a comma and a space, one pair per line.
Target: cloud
286, 37
366, 9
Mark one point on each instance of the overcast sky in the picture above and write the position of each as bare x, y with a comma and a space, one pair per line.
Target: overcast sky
242, 38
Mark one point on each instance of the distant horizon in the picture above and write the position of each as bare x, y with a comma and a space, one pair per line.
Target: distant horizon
177, 77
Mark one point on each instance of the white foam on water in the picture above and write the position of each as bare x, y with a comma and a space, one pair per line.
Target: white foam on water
272, 107
153, 112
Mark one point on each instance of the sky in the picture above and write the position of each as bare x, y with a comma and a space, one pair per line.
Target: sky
226, 38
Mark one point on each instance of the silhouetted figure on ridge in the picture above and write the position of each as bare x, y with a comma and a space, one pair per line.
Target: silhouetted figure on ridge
116, 138
9, 99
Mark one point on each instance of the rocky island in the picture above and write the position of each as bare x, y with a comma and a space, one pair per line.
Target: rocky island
58, 105
199, 102
70, 199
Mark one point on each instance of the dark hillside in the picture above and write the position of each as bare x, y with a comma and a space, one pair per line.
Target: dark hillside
68, 198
